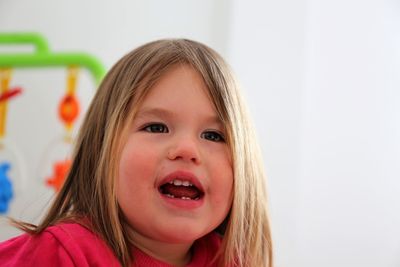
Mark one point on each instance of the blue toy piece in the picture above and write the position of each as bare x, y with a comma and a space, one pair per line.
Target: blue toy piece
6, 188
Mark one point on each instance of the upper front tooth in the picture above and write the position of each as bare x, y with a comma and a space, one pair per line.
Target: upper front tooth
178, 182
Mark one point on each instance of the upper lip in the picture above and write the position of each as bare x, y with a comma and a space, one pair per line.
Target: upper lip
184, 176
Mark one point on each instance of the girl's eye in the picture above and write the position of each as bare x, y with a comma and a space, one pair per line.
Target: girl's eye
213, 136
155, 128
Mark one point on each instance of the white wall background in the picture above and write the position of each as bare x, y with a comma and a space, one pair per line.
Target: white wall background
322, 80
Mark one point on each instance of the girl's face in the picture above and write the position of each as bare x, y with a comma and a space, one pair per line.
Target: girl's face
175, 175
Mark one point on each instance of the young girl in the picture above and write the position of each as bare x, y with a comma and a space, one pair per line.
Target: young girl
166, 172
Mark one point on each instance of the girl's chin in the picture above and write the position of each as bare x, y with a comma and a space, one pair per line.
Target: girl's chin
173, 231
180, 234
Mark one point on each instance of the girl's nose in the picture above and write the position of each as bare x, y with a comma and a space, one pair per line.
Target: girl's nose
185, 149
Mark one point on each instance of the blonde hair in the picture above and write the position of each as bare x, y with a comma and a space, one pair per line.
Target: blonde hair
89, 189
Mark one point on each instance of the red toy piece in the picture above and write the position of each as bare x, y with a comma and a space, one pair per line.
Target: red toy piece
10, 93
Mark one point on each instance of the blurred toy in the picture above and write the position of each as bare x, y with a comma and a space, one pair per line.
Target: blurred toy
60, 171
68, 111
6, 187
6, 93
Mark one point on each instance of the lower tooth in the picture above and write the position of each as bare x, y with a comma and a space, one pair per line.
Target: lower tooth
183, 198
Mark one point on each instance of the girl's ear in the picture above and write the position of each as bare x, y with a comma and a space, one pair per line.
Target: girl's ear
222, 227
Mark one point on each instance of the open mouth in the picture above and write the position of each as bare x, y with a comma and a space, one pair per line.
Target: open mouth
181, 189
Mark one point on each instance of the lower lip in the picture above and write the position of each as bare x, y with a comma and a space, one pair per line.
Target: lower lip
183, 203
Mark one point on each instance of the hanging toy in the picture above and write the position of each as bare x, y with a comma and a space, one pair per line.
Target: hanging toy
68, 111
6, 186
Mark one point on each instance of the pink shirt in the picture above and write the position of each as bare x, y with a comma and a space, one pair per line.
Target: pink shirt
70, 244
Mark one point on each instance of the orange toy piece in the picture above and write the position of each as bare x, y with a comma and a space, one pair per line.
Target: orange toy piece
60, 171
68, 109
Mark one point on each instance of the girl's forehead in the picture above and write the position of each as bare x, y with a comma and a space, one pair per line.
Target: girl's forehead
179, 85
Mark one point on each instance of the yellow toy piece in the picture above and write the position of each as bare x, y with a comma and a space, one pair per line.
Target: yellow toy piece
5, 76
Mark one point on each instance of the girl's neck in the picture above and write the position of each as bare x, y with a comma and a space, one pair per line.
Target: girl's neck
173, 254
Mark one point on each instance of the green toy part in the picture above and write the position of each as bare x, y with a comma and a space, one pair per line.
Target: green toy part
43, 57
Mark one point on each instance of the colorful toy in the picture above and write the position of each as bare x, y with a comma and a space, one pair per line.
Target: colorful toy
6, 186
68, 109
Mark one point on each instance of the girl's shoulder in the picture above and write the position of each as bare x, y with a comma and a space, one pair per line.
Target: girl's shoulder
65, 244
